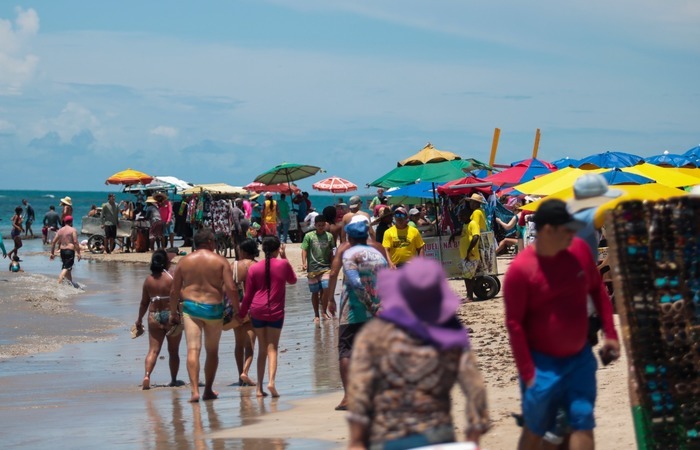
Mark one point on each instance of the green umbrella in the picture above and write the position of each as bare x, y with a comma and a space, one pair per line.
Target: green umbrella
439, 172
286, 173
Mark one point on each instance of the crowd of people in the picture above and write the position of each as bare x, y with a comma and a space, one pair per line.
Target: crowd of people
400, 345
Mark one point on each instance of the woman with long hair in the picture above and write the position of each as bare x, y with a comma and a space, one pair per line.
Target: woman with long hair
265, 297
243, 331
155, 298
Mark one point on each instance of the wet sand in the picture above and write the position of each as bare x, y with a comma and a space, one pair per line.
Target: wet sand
88, 394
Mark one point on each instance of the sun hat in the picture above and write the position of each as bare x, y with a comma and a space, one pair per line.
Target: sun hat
67, 219
67, 201
358, 229
591, 190
151, 200
413, 212
555, 212
355, 202
477, 197
418, 298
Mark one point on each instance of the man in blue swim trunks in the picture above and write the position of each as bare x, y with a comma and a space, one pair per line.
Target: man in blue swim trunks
200, 281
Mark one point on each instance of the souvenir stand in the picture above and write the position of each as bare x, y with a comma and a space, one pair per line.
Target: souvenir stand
654, 248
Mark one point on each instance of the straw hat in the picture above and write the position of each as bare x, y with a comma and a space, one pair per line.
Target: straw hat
151, 200
160, 196
67, 201
477, 198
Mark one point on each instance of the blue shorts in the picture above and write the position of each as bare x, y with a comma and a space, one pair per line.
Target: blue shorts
561, 383
203, 311
318, 282
257, 323
168, 229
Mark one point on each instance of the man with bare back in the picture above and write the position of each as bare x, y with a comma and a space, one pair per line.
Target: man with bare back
355, 205
200, 281
69, 247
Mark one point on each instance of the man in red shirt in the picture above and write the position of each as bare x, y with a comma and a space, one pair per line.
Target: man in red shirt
545, 290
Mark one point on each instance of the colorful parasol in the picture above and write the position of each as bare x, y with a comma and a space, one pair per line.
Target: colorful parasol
336, 185
286, 173
521, 172
280, 188
129, 177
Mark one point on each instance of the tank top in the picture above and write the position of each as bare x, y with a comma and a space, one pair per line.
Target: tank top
270, 212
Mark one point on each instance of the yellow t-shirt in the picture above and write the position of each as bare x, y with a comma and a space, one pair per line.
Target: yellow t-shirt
480, 218
402, 245
465, 239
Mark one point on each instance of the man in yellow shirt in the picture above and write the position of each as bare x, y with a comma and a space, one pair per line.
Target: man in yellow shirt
475, 202
469, 251
402, 242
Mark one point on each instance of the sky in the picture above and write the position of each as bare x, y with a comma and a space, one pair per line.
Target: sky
222, 90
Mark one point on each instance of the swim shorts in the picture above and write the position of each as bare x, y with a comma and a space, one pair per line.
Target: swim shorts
318, 280
346, 337
257, 323
110, 231
68, 259
470, 268
203, 311
568, 383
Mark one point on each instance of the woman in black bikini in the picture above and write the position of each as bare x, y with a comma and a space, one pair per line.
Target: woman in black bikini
244, 334
155, 299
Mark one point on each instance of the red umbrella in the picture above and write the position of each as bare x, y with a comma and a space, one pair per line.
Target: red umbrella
478, 185
521, 172
282, 188
336, 185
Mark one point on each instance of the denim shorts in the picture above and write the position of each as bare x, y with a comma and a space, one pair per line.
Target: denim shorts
567, 383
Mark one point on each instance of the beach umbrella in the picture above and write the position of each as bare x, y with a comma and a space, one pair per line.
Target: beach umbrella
466, 186
670, 160
693, 153
286, 173
434, 172
553, 182
521, 172
281, 188
336, 185
427, 155
412, 193
668, 176
565, 162
609, 160
128, 177
617, 177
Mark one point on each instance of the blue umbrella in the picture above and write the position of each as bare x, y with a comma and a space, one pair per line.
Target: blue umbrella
565, 162
413, 193
671, 160
609, 160
693, 153
617, 176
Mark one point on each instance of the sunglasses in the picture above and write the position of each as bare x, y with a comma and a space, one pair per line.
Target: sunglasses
400, 215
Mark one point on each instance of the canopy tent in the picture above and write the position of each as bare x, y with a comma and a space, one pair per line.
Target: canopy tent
216, 188
160, 183
521, 172
651, 191
609, 160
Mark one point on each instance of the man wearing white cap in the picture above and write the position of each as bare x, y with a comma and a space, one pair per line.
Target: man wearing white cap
590, 191
355, 203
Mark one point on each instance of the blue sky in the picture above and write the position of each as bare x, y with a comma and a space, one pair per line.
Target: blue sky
219, 91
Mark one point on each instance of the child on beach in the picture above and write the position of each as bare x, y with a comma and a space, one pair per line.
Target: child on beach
265, 298
14, 265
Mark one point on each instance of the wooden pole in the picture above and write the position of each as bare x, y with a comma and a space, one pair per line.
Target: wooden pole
537, 144
494, 147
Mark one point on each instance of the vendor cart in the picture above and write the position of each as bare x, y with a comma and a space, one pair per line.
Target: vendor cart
92, 226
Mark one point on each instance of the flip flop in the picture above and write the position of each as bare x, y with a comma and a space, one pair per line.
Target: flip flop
136, 331
175, 330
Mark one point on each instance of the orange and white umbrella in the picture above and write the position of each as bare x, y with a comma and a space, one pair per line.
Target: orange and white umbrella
129, 177
336, 185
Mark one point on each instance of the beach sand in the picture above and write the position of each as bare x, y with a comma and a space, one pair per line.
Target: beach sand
307, 419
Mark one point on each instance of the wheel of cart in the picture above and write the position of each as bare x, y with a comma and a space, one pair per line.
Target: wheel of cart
96, 243
486, 287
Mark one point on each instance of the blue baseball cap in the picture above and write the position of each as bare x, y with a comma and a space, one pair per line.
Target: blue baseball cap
357, 230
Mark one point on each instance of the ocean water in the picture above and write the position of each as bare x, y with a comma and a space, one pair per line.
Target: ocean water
83, 200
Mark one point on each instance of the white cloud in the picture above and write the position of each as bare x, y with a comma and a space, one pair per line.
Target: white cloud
71, 121
17, 64
7, 128
165, 131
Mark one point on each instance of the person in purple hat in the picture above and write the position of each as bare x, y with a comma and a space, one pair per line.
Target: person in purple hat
405, 362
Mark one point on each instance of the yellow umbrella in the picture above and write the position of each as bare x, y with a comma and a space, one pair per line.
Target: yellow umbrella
553, 182
129, 177
429, 154
670, 176
651, 191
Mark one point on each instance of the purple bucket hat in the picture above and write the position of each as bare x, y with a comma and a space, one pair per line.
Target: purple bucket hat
418, 299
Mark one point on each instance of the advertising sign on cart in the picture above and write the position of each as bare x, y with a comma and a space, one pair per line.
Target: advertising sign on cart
450, 253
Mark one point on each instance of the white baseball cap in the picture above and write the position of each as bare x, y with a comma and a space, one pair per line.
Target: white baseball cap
591, 190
